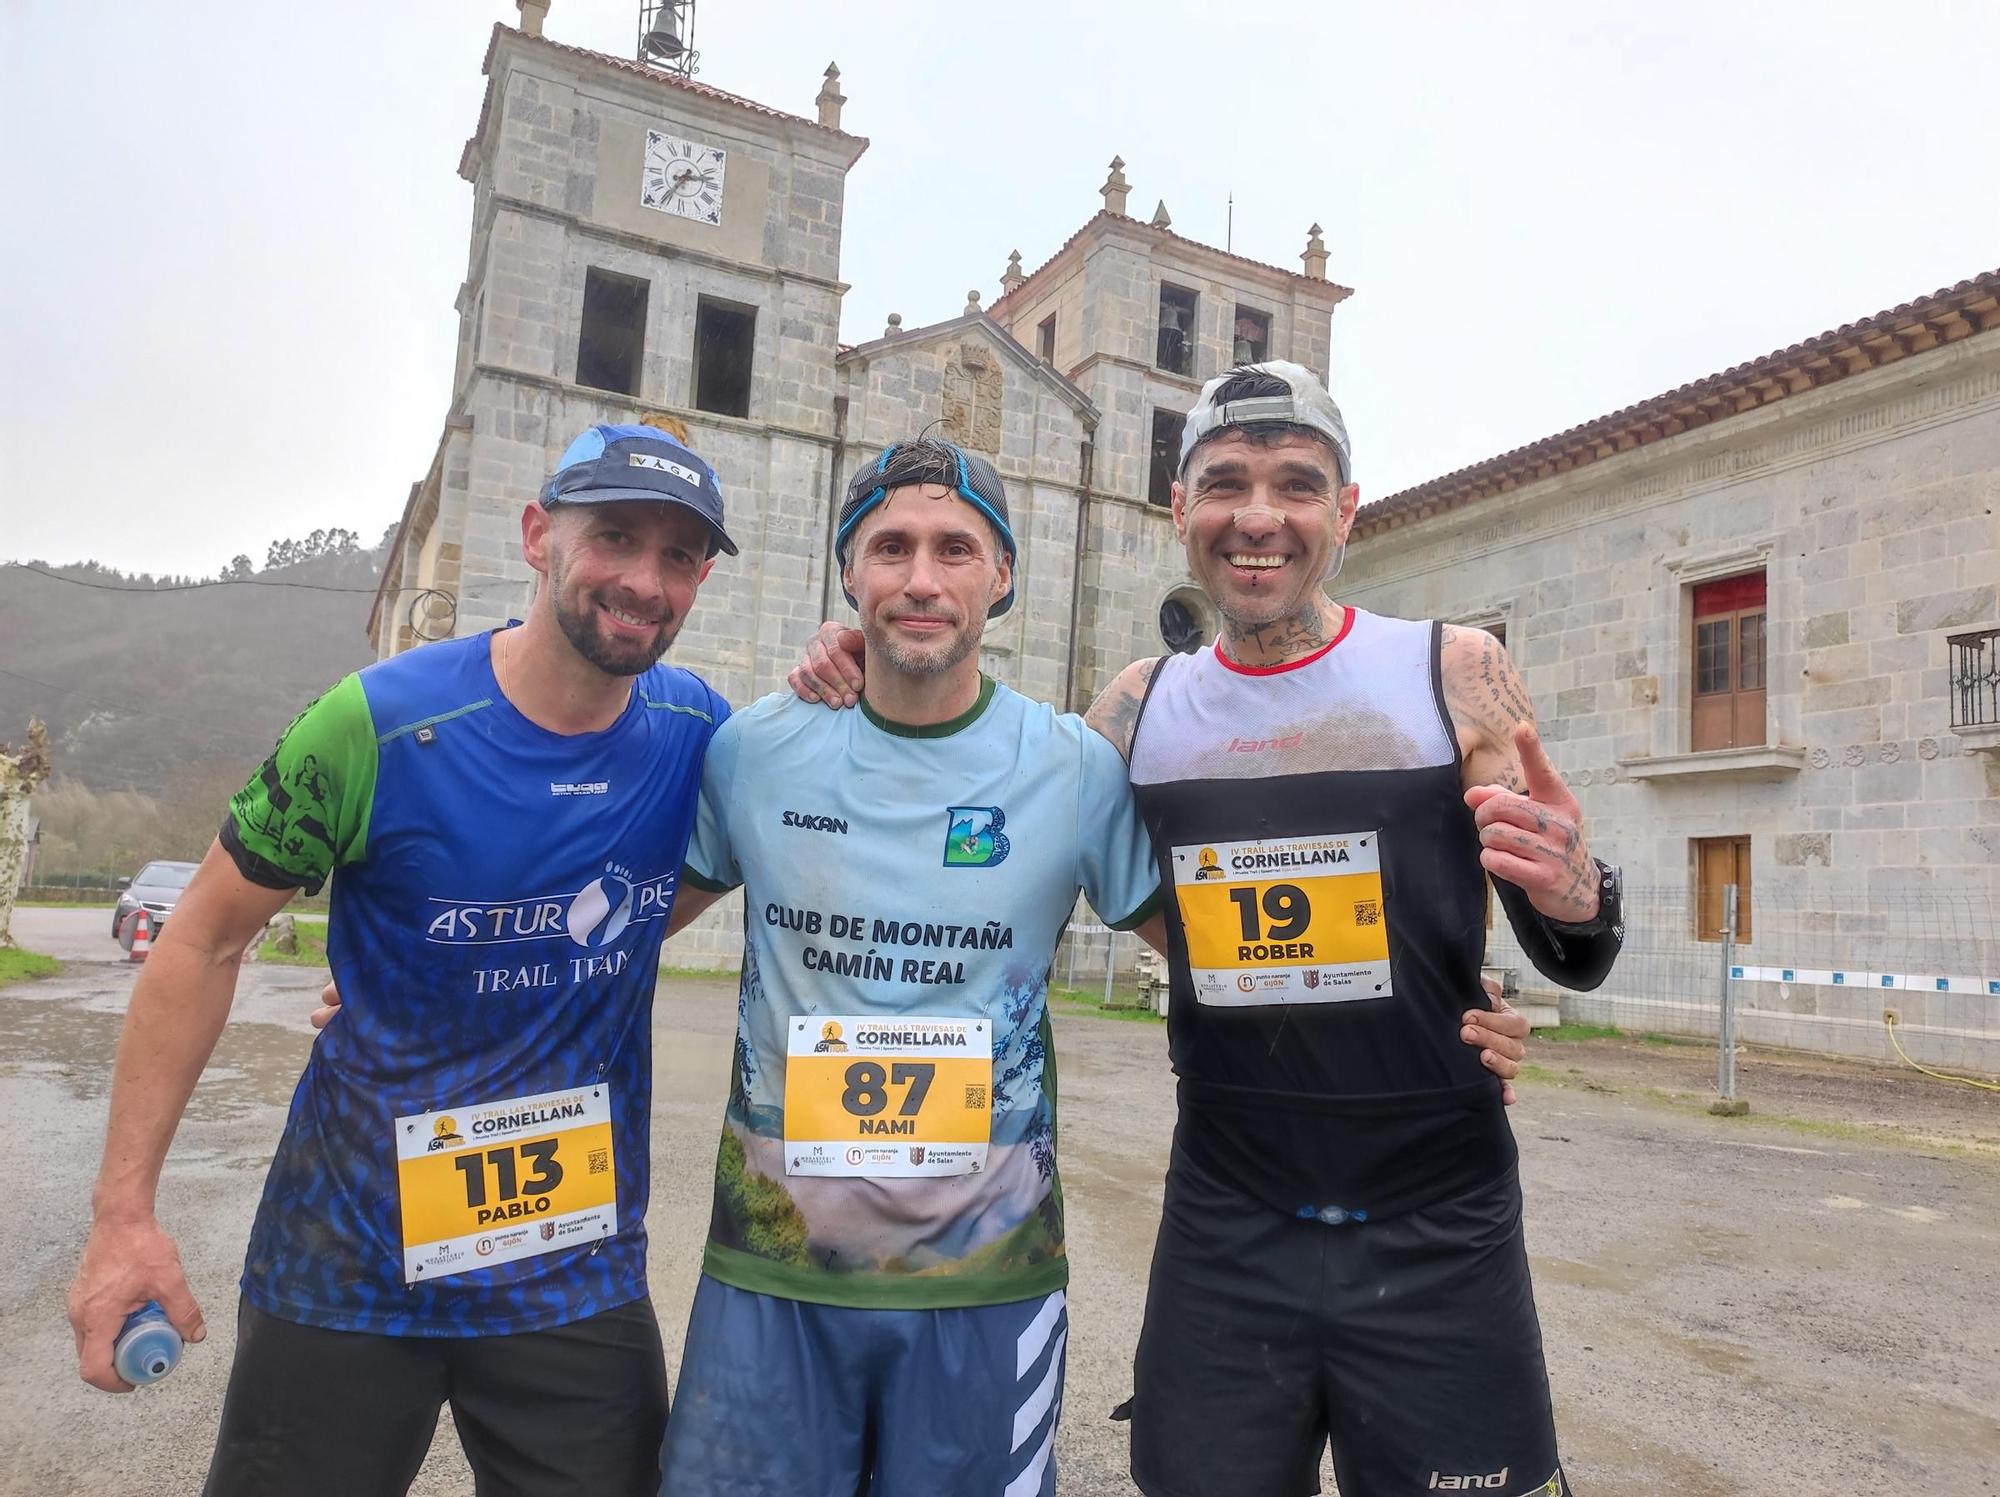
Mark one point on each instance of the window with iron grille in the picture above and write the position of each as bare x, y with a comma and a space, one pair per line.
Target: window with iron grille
1975, 678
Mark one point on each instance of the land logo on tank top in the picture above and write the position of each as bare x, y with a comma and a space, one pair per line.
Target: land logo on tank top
1284, 919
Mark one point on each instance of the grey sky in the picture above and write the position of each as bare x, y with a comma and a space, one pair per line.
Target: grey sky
234, 230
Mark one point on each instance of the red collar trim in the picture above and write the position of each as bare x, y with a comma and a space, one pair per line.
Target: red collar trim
1289, 665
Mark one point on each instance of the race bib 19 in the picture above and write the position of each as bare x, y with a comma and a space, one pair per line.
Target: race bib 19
1284, 920
891, 1097
496, 1181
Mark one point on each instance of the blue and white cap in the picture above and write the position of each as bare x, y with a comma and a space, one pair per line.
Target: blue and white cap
638, 462
927, 460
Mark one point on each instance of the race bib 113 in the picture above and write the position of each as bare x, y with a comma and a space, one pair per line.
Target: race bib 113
494, 1181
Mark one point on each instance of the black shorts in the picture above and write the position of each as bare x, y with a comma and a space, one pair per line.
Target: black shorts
576, 1408
1410, 1342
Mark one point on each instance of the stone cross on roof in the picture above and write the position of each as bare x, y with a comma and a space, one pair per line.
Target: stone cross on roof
1116, 188
1315, 254
830, 98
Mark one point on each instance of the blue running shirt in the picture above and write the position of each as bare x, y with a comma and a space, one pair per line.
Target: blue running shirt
466, 1153
890, 1135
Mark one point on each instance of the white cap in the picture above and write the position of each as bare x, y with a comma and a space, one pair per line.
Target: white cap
1305, 403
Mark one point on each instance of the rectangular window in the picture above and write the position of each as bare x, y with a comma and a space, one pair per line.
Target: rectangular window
1729, 663
725, 337
1166, 457
1045, 339
610, 348
1718, 863
1175, 352
1253, 335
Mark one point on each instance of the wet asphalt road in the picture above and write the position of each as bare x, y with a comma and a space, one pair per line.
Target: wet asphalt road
1730, 1308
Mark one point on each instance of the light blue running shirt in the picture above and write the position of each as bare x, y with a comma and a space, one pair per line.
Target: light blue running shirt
904, 889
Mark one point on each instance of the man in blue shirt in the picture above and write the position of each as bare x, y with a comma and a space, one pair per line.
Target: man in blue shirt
456, 1210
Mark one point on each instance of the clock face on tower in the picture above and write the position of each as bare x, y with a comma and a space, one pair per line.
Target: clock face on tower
683, 177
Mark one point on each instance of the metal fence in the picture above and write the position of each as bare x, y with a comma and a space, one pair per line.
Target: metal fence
1818, 973
1821, 974
1093, 960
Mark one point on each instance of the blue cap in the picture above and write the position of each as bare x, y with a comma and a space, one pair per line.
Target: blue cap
638, 462
927, 460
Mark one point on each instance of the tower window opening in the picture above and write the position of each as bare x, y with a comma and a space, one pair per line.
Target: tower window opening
612, 344
725, 338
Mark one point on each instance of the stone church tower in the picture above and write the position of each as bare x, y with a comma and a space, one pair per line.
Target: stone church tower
648, 247
643, 247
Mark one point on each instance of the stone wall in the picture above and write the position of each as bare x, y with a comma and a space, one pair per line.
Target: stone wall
1873, 506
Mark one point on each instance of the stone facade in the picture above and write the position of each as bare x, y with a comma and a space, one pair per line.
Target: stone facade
1872, 505
555, 166
556, 172
555, 169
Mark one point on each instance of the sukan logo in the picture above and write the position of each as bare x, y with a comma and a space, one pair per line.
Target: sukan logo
814, 822
593, 917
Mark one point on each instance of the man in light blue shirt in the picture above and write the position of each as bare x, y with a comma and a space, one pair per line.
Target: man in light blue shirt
882, 1302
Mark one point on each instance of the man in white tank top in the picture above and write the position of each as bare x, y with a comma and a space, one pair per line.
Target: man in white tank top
1313, 994
1318, 759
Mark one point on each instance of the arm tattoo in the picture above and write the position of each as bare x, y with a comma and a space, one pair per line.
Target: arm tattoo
1115, 713
1485, 697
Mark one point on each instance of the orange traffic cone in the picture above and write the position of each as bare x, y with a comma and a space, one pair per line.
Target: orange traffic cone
142, 937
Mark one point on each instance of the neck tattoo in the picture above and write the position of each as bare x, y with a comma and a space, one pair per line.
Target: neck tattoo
1281, 641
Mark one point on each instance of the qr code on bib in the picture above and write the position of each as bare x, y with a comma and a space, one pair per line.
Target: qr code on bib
975, 1096
1367, 912
600, 1161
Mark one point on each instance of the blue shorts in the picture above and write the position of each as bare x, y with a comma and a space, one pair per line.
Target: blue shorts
783, 1398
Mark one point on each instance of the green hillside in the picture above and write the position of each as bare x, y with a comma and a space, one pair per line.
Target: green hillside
142, 685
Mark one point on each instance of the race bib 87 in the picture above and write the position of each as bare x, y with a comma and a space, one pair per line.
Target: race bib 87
1284, 920
889, 1097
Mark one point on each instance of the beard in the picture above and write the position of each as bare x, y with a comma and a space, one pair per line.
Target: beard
1259, 608
578, 622
932, 660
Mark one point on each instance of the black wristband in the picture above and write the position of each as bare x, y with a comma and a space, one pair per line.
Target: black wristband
1610, 914
1579, 956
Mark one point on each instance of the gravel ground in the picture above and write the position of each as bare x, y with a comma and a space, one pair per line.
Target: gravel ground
1801, 1300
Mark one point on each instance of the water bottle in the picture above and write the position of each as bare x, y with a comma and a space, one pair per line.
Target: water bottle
148, 1348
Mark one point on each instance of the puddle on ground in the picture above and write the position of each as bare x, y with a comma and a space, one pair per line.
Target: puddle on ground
1923, 1215
1716, 1356
73, 1044
1584, 1275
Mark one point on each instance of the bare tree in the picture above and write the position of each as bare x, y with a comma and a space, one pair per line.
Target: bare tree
20, 773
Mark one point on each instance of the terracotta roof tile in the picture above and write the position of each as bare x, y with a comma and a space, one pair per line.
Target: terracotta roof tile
1945, 316
638, 69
